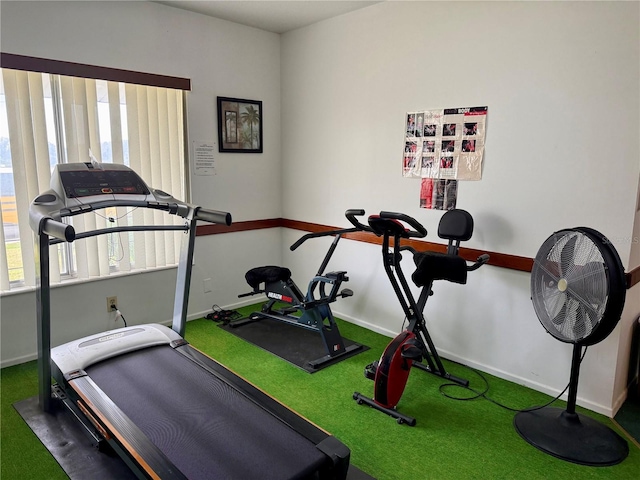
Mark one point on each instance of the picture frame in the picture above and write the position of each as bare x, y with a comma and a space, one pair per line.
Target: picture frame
239, 125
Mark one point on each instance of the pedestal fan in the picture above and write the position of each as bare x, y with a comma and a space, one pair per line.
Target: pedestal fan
578, 291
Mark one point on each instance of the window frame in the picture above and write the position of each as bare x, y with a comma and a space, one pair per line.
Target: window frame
71, 69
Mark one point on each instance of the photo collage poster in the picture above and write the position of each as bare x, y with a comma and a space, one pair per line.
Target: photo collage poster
442, 147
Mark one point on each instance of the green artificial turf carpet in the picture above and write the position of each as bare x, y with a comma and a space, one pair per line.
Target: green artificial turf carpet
452, 440
22, 456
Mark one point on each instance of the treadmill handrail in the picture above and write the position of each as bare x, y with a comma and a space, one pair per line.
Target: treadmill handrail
133, 228
63, 232
212, 216
45, 216
171, 207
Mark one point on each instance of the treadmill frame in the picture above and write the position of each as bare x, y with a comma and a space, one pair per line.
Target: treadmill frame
86, 399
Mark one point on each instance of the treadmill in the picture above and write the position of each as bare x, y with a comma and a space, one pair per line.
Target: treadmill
167, 409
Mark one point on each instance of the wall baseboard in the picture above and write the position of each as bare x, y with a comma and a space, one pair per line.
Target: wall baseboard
618, 402
18, 360
194, 316
364, 324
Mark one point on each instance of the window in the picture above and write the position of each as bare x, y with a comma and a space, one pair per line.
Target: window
49, 118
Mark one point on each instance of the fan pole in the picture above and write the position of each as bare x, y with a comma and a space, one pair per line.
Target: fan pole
573, 379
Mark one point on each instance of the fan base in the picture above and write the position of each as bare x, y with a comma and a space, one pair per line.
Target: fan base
571, 436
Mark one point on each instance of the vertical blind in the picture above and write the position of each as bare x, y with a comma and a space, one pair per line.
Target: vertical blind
59, 119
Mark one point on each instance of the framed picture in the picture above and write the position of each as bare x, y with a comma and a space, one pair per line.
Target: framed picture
239, 125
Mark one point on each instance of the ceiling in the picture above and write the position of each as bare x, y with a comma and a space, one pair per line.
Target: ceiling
278, 16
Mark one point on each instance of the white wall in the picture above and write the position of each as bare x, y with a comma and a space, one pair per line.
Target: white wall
552, 74
561, 83
221, 59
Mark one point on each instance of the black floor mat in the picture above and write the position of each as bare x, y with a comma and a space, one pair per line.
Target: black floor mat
299, 346
69, 444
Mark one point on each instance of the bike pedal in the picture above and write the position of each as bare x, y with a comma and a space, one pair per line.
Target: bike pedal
370, 370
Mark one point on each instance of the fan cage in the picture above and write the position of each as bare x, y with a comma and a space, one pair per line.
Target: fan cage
572, 284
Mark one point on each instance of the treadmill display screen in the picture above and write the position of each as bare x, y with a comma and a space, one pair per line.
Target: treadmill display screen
102, 182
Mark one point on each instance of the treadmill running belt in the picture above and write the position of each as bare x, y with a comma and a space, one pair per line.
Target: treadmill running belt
205, 427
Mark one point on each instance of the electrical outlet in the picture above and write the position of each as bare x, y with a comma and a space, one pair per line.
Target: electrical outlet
112, 304
206, 285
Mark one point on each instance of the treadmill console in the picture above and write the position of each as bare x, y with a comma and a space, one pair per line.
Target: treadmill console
91, 182
78, 188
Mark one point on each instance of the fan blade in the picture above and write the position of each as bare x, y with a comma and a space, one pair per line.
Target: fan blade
550, 268
573, 319
587, 319
567, 255
564, 323
579, 326
593, 318
588, 283
559, 318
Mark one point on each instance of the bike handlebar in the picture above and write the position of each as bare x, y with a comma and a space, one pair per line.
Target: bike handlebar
306, 237
351, 215
418, 230
481, 260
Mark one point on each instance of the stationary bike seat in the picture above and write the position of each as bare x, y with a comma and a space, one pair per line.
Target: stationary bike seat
269, 273
439, 266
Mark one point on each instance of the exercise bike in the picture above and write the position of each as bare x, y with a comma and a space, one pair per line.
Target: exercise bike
414, 345
310, 311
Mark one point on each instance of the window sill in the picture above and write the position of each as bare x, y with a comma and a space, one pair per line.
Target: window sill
75, 281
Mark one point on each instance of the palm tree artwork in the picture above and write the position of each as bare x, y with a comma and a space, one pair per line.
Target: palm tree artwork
249, 116
240, 125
